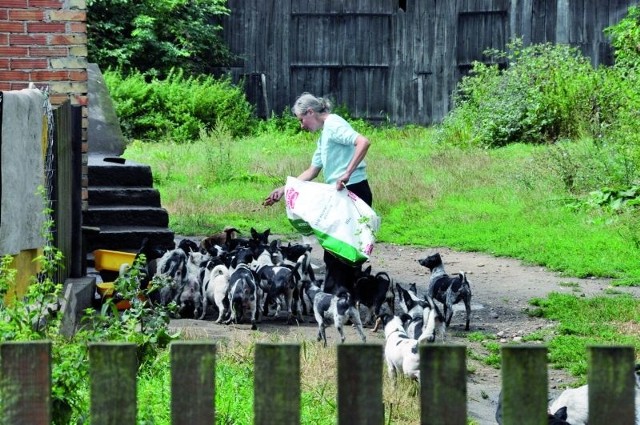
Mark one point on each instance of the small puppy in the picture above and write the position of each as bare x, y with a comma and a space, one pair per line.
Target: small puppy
400, 352
276, 282
214, 290
421, 318
336, 308
243, 290
372, 291
448, 290
209, 243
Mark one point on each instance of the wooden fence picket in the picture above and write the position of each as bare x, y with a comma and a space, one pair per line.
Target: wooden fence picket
25, 383
524, 384
443, 384
611, 378
360, 384
112, 372
276, 385
193, 366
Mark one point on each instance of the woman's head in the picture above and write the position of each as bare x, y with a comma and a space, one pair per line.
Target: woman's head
311, 111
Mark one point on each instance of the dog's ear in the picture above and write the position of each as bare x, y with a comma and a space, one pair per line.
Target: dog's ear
254, 234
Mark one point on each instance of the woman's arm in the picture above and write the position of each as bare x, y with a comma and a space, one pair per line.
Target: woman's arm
362, 146
277, 194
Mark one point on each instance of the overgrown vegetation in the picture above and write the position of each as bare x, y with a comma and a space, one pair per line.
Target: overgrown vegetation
152, 37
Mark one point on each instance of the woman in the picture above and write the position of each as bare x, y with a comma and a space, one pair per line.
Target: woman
339, 154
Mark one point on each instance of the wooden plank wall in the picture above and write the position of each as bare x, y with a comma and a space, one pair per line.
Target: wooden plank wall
387, 63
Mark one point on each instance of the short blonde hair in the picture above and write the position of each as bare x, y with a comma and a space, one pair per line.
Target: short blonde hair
308, 101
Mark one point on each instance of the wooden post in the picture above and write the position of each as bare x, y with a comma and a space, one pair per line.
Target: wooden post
443, 384
524, 385
25, 383
112, 370
612, 382
193, 366
276, 388
360, 384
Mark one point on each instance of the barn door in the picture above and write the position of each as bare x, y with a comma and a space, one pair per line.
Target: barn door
343, 53
480, 29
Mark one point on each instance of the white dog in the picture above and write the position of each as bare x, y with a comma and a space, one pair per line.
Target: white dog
215, 290
400, 351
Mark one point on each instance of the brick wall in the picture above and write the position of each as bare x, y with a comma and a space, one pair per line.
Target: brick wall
45, 42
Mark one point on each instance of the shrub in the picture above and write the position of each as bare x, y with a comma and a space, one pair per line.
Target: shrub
154, 36
545, 94
177, 108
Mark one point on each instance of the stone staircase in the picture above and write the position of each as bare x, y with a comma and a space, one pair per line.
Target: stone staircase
123, 207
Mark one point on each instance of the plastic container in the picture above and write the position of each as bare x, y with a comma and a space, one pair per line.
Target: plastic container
112, 260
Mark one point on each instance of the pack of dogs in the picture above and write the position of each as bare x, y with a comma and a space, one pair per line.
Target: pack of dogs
232, 279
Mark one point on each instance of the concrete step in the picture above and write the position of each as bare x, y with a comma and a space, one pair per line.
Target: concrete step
116, 171
127, 215
122, 195
129, 238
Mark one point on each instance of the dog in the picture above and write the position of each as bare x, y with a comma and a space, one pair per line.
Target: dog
297, 257
448, 290
215, 288
421, 317
336, 308
220, 239
559, 417
400, 351
372, 291
276, 282
243, 290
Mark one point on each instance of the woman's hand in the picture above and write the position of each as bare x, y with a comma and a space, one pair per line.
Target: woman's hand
274, 196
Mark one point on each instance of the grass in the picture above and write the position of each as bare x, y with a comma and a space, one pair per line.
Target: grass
507, 202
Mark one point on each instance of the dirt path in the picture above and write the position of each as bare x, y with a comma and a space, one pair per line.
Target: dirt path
501, 290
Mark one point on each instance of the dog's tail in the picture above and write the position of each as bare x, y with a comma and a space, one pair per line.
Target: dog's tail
465, 281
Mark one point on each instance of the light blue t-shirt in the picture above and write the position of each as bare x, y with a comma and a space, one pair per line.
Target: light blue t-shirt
335, 149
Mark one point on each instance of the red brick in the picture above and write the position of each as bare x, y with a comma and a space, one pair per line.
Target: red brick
49, 76
4, 39
67, 39
58, 98
4, 15
45, 27
78, 27
48, 51
13, 51
68, 15
4, 63
5, 86
57, 4
15, 3
26, 15
29, 64
27, 40
19, 86
77, 75
14, 76
11, 27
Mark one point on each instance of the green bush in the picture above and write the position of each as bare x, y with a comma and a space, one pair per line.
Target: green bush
545, 94
154, 36
177, 108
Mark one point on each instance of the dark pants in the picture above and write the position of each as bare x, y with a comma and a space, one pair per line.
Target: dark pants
339, 273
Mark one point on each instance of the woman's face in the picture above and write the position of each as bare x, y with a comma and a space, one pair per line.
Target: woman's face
309, 120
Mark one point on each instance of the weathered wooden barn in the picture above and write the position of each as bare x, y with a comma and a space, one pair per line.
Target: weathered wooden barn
395, 60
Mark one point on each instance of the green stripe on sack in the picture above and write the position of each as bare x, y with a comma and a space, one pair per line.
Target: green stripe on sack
302, 227
340, 248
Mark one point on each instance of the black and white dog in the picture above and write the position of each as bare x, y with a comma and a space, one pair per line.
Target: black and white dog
333, 308
421, 317
243, 290
400, 351
276, 282
448, 290
372, 291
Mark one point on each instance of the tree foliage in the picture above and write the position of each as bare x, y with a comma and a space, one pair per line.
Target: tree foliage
154, 36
